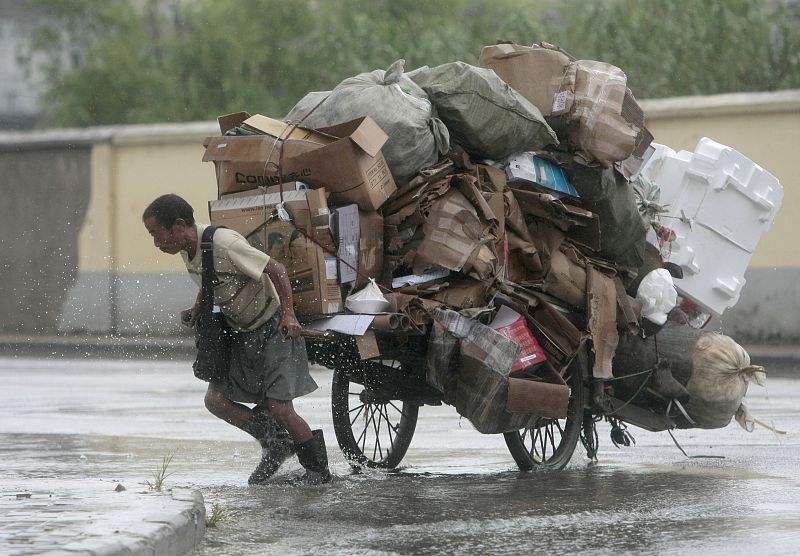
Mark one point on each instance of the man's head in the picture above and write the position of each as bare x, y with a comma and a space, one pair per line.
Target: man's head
170, 221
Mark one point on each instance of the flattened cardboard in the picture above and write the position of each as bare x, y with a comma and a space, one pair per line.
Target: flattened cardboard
534, 397
602, 313
370, 246
367, 345
453, 237
582, 226
561, 339
463, 294
566, 279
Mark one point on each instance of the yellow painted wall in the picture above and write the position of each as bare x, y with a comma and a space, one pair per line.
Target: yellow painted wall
765, 127
137, 166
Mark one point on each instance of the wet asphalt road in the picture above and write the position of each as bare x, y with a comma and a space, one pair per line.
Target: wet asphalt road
457, 491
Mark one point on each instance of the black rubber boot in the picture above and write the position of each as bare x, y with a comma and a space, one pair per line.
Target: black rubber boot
276, 444
314, 458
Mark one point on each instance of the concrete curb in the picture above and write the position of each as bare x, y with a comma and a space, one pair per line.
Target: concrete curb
59, 521
178, 533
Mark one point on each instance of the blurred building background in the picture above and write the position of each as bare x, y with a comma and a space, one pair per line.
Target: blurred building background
18, 91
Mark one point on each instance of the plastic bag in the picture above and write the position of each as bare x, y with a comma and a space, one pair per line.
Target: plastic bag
399, 106
368, 300
482, 113
658, 295
721, 371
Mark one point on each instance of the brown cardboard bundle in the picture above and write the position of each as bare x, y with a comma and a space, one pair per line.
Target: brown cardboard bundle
602, 312
346, 159
597, 113
450, 223
455, 238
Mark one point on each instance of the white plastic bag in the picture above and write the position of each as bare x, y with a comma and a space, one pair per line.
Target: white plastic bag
658, 295
368, 300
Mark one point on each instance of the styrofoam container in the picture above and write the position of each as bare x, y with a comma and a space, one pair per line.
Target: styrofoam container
719, 205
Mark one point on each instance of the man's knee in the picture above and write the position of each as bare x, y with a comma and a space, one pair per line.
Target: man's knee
281, 410
214, 401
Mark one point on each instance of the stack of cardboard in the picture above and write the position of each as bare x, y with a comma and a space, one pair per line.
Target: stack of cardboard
463, 238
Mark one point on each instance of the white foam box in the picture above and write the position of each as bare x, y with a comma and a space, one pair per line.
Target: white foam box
719, 204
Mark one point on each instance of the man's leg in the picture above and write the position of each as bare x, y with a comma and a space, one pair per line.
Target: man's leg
276, 446
234, 413
284, 413
310, 445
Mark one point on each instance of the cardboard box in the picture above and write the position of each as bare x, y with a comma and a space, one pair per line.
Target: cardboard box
534, 71
311, 274
359, 235
247, 162
345, 159
282, 187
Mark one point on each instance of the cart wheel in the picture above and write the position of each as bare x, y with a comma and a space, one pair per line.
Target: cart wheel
371, 428
549, 444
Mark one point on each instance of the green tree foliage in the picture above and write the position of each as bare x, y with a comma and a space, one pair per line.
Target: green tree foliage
128, 61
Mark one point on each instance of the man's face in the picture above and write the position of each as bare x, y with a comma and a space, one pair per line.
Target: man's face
167, 240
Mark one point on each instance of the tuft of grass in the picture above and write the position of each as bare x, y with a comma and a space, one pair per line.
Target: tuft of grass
160, 474
217, 514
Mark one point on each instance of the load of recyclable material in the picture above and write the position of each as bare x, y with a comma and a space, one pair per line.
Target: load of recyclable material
509, 215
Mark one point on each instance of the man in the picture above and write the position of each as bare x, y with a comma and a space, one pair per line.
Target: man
268, 361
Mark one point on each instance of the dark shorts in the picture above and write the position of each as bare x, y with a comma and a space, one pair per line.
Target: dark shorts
264, 366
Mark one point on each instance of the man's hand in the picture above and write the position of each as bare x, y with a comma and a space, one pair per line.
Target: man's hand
189, 316
289, 326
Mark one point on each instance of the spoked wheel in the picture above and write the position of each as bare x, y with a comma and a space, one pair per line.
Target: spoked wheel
550, 443
371, 428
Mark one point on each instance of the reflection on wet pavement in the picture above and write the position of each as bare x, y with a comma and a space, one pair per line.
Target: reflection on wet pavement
457, 491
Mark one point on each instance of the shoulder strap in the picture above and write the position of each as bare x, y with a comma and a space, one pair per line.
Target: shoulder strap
207, 277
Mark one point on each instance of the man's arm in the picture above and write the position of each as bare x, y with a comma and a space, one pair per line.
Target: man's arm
289, 326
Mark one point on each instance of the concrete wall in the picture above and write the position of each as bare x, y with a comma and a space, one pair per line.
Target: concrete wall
46, 192
123, 285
